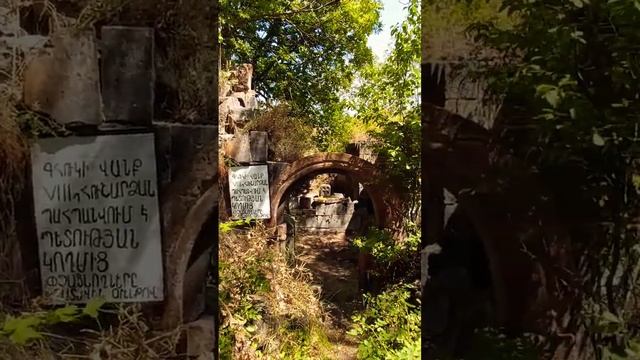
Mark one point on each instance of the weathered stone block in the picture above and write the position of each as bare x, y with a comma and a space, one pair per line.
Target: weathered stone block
201, 338
250, 100
342, 208
325, 190
238, 148
237, 115
163, 154
226, 104
194, 151
187, 201
242, 76
258, 144
128, 74
460, 85
63, 80
326, 222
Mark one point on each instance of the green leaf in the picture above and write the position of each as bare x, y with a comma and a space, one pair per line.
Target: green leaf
598, 140
578, 3
12, 323
553, 97
24, 334
635, 180
92, 307
572, 113
65, 314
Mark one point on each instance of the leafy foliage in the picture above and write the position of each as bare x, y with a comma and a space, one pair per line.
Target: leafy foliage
289, 136
388, 96
389, 327
226, 226
395, 261
491, 344
304, 52
570, 69
384, 248
26, 327
268, 309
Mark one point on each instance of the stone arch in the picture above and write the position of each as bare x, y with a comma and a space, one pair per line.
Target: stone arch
374, 181
459, 157
177, 271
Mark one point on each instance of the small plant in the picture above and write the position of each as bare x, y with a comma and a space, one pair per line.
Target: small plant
27, 327
268, 309
384, 248
389, 327
289, 136
227, 226
492, 344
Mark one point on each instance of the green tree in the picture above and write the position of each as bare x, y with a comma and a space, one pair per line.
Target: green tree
304, 52
571, 69
388, 96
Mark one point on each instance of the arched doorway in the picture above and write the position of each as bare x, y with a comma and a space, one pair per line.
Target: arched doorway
339, 268
527, 249
375, 183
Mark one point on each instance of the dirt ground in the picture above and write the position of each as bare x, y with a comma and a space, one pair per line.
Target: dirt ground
334, 267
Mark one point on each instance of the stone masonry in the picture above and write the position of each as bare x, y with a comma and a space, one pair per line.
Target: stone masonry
67, 89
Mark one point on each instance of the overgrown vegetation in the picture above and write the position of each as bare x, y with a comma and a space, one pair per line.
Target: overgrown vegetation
304, 53
396, 261
320, 89
29, 329
290, 138
389, 326
568, 72
91, 331
268, 309
572, 68
388, 96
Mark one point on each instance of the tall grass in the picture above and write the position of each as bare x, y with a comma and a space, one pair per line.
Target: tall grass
269, 309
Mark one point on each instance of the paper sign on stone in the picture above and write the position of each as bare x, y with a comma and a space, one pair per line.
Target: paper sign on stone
249, 190
96, 210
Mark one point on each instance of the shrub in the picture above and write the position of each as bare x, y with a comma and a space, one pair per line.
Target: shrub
394, 261
384, 248
389, 326
290, 138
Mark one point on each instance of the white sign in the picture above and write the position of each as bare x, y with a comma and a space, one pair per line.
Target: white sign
96, 209
249, 190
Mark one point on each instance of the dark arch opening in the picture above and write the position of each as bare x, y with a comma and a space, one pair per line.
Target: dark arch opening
348, 186
360, 170
462, 282
199, 294
326, 248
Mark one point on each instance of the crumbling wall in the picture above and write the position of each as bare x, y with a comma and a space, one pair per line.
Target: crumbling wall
237, 101
453, 86
52, 83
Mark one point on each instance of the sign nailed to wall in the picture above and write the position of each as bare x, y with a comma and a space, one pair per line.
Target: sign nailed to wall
249, 190
96, 209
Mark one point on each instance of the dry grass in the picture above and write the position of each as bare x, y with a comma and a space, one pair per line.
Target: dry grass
289, 138
268, 307
128, 338
13, 162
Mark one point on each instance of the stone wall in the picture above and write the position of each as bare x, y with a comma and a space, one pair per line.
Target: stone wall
237, 101
336, 214
92, 98
453, 86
